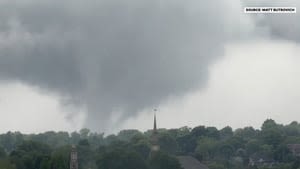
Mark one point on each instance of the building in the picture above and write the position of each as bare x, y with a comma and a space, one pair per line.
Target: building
260, 160
154, 137
73, 158
295, 149
189, 162
186, 162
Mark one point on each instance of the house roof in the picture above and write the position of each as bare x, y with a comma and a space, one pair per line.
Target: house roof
295, 148
189, 162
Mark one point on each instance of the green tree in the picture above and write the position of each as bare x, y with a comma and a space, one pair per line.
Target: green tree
226, 151
85, 155
269, 124
75, 137
142, 147
182, 131
96, 139
246, 133
212, 132
127, 135
187, 143
121, 159
283, 154
198, 131
30, 155
11, 140
160, 160
226, 133
60, 157
5, 164
2, 153
272, 136
110, 138
84, 133
252, 146
167, 143
206, 148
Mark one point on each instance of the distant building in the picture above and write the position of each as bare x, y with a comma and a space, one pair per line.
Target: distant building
260, 160
295, 149
186, 162
189, 162
154, 137
73, 158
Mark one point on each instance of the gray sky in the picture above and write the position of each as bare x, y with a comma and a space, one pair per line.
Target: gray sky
106, 64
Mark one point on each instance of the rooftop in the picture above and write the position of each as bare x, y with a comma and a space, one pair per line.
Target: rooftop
189, 162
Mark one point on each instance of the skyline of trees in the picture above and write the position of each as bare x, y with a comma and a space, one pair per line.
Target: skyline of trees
217, 148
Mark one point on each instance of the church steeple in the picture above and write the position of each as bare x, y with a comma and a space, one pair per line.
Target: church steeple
154, 136
154, 127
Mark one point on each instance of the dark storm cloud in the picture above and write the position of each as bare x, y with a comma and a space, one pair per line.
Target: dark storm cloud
112, 55
280, 26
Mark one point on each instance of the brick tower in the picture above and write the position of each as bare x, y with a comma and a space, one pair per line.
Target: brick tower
73, 158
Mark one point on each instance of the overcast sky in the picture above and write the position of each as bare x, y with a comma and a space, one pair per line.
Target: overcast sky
107, 64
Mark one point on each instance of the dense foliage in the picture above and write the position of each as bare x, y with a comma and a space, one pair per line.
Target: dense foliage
245, 148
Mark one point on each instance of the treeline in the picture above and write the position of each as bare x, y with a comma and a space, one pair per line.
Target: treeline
245, 148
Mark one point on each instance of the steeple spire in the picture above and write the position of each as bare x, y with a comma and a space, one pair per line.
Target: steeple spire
154, 136
154, 127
